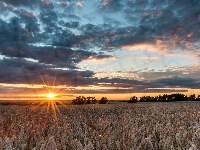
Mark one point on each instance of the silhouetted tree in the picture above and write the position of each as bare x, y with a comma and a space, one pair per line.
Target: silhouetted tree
103, 100
167, 98
94, 100
79, 100
84, 100
198, 98
91, 100
133, 99
192, 97
177, 97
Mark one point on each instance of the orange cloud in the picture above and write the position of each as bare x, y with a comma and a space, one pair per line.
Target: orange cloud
80, 4
149, 47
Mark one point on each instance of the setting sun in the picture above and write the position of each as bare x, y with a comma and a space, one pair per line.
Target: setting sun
51, 95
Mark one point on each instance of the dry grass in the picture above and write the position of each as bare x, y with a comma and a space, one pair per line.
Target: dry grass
112, 126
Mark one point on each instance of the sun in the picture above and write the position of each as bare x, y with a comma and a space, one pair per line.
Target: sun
51, 95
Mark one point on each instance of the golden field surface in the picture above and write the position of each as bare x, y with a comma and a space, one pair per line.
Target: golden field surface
140, 126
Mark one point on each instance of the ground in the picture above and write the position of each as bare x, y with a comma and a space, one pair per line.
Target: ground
110, 126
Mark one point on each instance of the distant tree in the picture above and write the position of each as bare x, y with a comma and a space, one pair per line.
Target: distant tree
88, 100
192, 97
94, 100
143, 99
198, 98
79, 100
103, 100
133, 99
84, 100
166, 98
177, 97
91, 100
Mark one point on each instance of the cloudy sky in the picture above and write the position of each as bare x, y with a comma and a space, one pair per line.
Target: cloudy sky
112, 48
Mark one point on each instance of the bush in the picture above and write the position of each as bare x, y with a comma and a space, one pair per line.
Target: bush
79, 100
133, 99
91, 100
103, 100
83, 100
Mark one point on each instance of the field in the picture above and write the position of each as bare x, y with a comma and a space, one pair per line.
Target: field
141, 126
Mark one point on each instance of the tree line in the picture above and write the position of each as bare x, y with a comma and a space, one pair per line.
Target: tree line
134, 99
88, 100
165, 98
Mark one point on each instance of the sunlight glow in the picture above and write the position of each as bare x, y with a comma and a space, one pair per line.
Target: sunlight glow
51, 95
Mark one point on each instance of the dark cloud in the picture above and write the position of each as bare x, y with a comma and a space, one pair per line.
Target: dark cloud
170, 22
29, 19
72, 16
151, 21
58, 57
21, 2
166, 24
48, 16
52, 37
195, 3
28, 72
18, 41
179, 82
74, 24
24, 71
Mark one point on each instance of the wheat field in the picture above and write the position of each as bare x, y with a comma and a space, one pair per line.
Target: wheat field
141, 126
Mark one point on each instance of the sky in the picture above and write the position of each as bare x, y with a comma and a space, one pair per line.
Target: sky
112, 48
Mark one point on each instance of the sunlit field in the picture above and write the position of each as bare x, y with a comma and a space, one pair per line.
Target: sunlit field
141, 126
